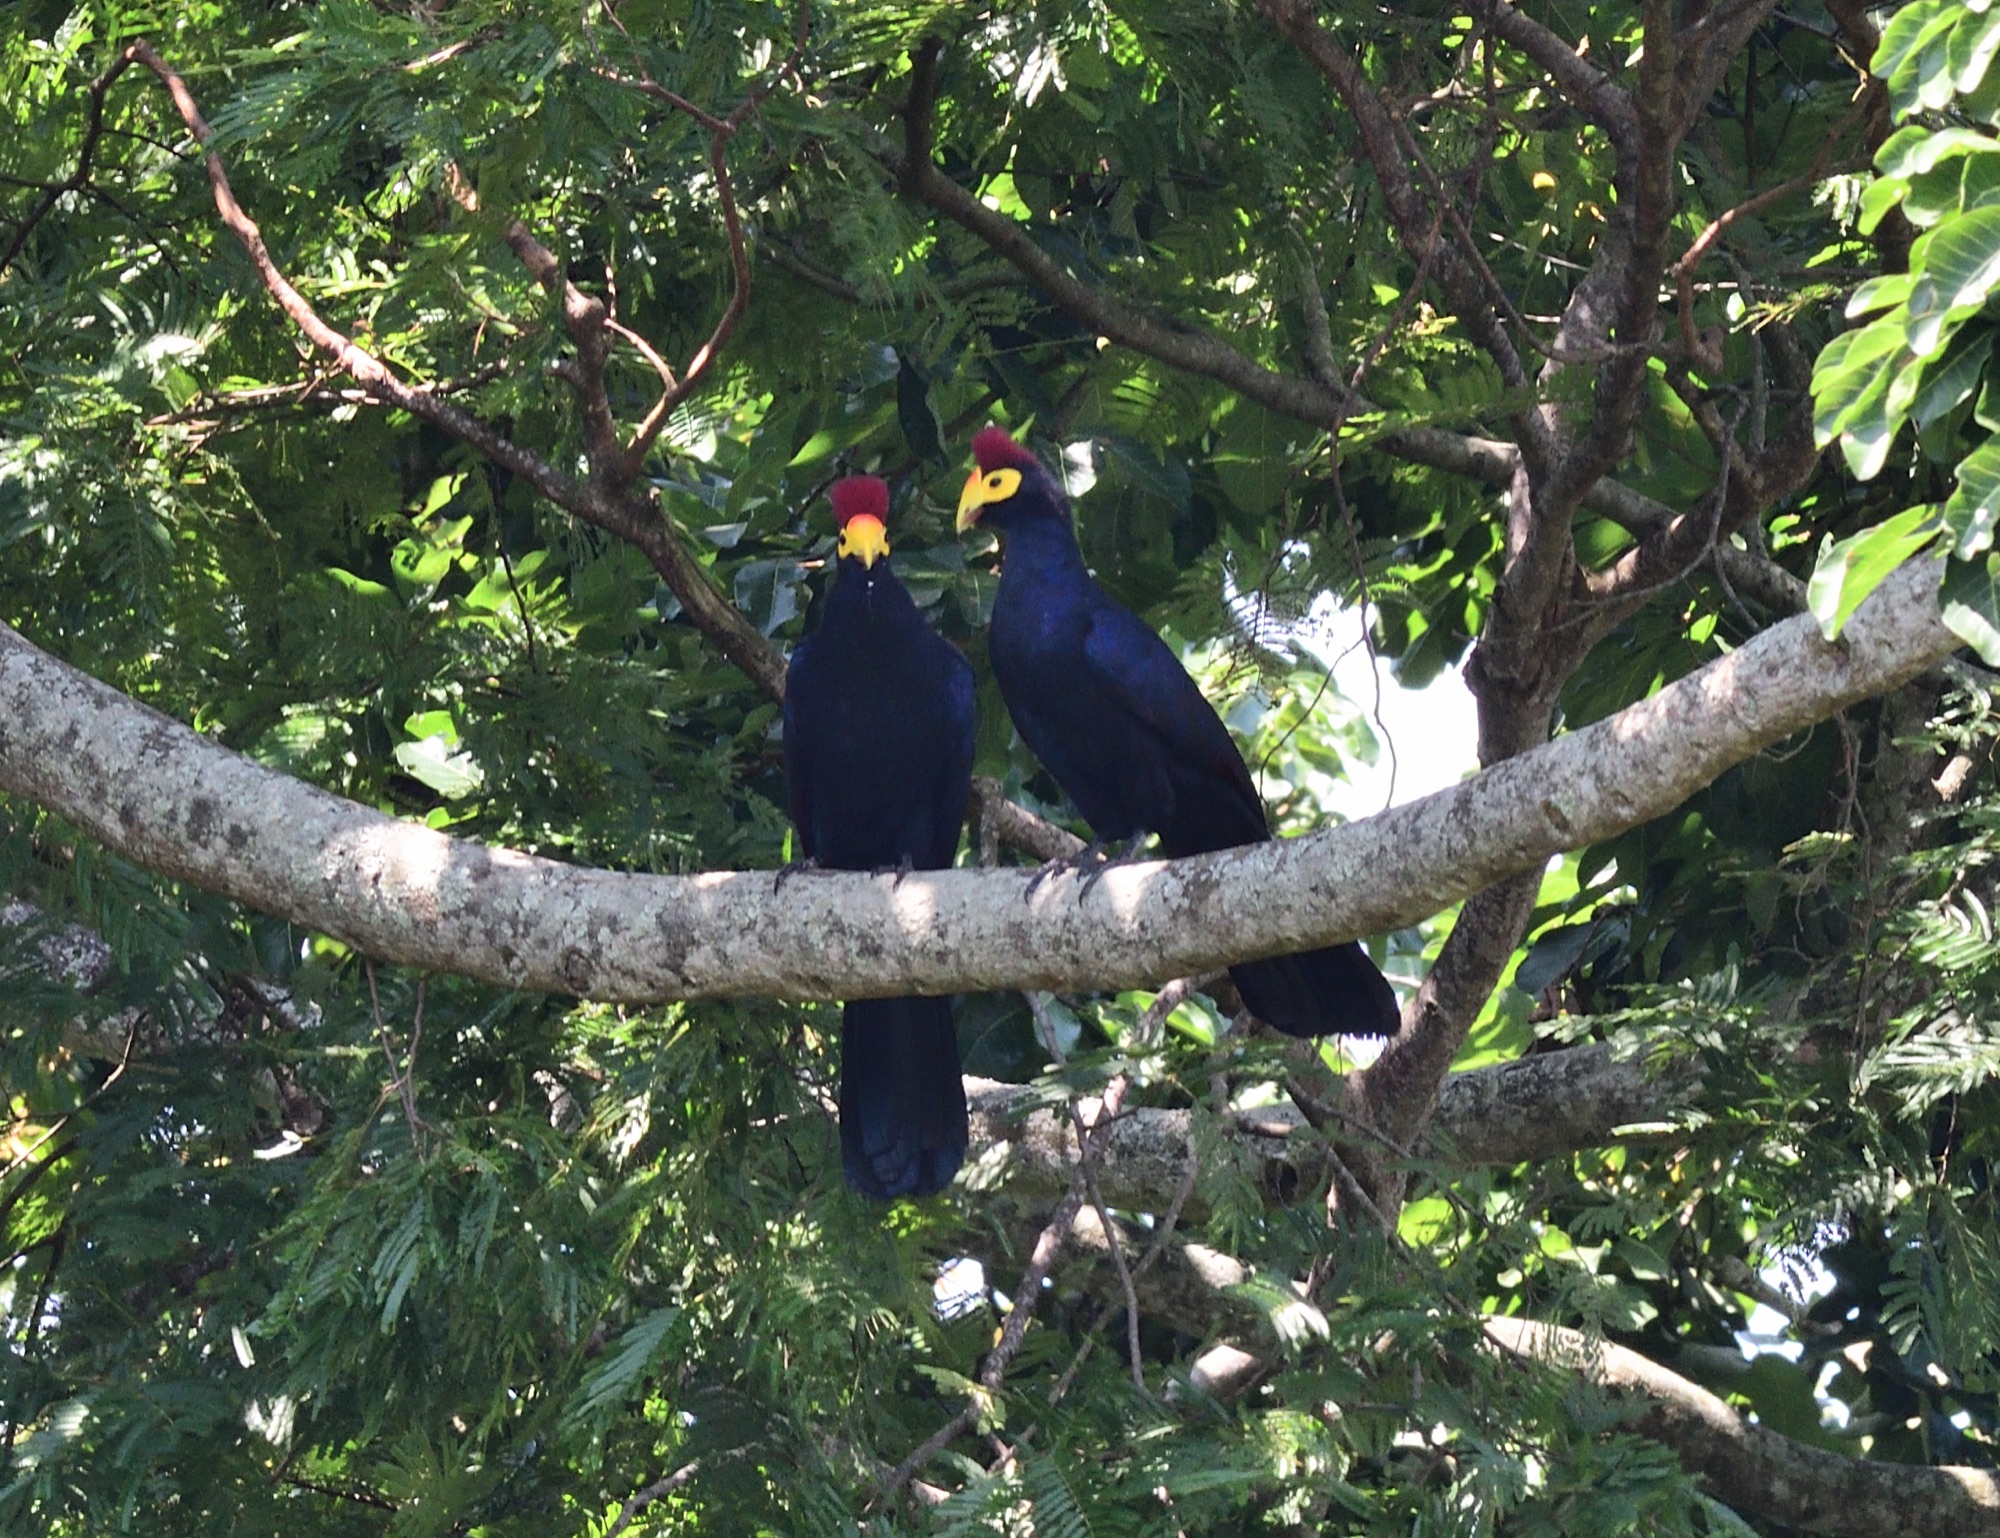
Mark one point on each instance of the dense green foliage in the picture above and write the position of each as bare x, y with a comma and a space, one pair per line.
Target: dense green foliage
255, 1284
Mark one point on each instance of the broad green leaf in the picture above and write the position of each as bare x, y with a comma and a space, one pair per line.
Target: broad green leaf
1882, 195
1852, 365
1891, 288
1971, 51
1974, 507
432, 761
1913, 55
1852, 568
1963, 259
1969, 604
1949, 378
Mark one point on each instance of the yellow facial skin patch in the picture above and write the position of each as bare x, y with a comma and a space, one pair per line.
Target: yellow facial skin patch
983, 491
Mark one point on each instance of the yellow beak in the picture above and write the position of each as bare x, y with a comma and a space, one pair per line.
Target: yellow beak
983, 491
865, 539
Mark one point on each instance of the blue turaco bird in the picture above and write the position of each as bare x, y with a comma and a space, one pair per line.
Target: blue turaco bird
1112, 714
879, 719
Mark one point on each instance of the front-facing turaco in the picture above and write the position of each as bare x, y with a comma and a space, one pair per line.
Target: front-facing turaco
879, 720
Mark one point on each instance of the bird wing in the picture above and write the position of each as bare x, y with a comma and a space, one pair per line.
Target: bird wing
1140, 672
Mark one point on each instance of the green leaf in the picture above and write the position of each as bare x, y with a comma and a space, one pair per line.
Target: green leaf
1952, 376
1963, 259
1969, 604
1974, 508
611, 1382
1852, 568
1971, 51
432, 761
1881, 195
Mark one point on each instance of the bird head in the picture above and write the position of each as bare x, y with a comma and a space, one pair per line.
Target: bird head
1009, 485
861, 508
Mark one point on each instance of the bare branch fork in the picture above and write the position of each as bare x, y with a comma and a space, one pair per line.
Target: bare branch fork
721, 130
606, 499
93, 131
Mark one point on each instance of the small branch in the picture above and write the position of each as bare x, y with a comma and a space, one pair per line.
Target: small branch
721, 130
650, 1494
1706, 241
605, 506
725, 326
1157, 336
1001, 821
402, 1079
93, 130
1086, 1165
358, 1497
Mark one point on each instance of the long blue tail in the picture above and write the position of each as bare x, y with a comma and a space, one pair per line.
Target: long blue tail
902, 1101
1333, 991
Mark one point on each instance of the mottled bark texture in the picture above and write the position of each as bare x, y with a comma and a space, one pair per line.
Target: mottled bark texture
1755, 1469
179, 804
1509, 1113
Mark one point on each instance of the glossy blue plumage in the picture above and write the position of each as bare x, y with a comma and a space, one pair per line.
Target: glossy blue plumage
879, 719
1114, 717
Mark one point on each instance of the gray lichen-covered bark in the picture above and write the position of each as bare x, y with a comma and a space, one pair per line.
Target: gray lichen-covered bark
179, 804
1508, 1113
1755, 1469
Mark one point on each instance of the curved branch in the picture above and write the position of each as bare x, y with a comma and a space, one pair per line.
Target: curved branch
1755, 1469
181, 805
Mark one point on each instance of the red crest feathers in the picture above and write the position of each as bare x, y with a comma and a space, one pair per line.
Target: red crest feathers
995, 450
860, 496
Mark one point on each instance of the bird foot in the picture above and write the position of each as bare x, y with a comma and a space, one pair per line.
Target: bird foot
1090, 862
785, 873
899, 870
1126, 854
1090, 855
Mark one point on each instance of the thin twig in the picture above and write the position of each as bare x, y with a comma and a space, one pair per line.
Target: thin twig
1683, 270
93, 130
55, 1127
721, 130
401, 1077
1027, 1292
1087, 1163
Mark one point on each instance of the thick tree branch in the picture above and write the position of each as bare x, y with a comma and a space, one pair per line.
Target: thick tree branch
1744, 1465
1583, 84
1395, 1094
179, 804
1536, 1107
1755, 1469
